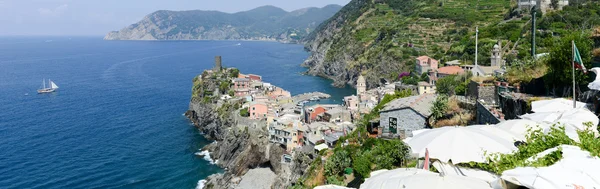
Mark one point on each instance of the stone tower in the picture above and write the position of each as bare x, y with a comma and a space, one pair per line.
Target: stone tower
361, 85
218, 65
496, 57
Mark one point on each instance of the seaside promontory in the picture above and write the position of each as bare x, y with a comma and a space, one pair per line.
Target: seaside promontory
265, 23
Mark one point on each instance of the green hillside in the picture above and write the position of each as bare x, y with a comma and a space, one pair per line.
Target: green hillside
380, 38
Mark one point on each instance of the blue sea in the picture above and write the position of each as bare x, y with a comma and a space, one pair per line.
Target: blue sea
117, 120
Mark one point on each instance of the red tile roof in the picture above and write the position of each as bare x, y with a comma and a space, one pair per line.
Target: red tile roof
451, 70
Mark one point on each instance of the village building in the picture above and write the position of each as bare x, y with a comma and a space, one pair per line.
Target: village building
241, 86
313, 113
279, 92
337, 115
351, 102
361, 85
254, 77
425, 64
297, 136
258, 110
426, 88
449, 70
402, 116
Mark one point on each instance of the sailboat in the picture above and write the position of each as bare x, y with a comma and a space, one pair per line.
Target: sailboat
51, 89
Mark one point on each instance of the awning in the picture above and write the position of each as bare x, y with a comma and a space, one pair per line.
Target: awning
321, 147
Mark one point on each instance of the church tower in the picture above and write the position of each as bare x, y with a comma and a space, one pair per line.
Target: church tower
496, 58
361, 85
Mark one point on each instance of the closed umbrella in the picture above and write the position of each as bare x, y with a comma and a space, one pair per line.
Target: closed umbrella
553, 105
418, 179
459, 144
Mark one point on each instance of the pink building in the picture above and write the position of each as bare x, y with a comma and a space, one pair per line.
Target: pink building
241, 86
426, 64
254, 77
279, 92
258, 110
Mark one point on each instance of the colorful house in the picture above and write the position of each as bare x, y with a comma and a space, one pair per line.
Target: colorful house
425, 64
254, 77
258, 110
313, 112
449, 70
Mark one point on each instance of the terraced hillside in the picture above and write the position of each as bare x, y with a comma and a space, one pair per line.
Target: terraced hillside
380, 38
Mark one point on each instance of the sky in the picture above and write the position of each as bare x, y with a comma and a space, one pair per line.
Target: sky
98, 17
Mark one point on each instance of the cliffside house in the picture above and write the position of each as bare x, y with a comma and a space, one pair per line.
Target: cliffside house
241, 87
280, 134
402, 116
258, 110
254, 77
297, 139
312, 113
425, 64
426, 88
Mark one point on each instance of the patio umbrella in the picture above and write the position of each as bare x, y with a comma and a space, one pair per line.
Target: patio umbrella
571, 172
520, 126
543, 117
553, 105
418, 178
504, 134
331, 187
577, 117
459, 144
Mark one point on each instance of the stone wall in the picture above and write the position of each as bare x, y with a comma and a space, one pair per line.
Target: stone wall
408, 121
484, 116
482, 91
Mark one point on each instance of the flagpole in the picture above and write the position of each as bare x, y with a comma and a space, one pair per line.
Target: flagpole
573, 62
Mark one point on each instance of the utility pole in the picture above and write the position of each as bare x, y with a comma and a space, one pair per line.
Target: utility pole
476, 40
533, 14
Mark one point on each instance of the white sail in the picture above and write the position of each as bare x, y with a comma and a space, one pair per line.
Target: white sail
53, 85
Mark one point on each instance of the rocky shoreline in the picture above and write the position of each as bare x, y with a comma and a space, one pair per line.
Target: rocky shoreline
242, 148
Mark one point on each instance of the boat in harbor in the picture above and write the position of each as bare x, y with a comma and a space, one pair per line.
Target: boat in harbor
52, 87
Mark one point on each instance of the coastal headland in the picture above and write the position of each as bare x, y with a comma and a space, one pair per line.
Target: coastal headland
257, 128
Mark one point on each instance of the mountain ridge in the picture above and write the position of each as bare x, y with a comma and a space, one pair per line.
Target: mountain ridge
268, 23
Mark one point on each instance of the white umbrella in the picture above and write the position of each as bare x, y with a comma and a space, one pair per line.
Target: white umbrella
548, 178
331, 187
543, 117
504, 134
553, 105
421, 179
568, 152
595, 85
520, 126
577, 117
459, 144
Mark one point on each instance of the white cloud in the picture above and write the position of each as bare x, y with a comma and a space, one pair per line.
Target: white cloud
55, 11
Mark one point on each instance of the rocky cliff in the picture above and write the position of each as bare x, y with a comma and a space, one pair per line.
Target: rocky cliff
241, 144
263, 23
380, 38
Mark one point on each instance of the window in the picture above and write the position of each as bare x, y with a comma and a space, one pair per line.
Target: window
294, 134
253, 108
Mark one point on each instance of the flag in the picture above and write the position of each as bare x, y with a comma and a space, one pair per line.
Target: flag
426, 162
577, 59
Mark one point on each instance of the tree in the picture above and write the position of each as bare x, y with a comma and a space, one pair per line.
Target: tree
337, 162
244, 112
410, 80
439, 108
561, 58
447, 85
424, 77
234, 73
